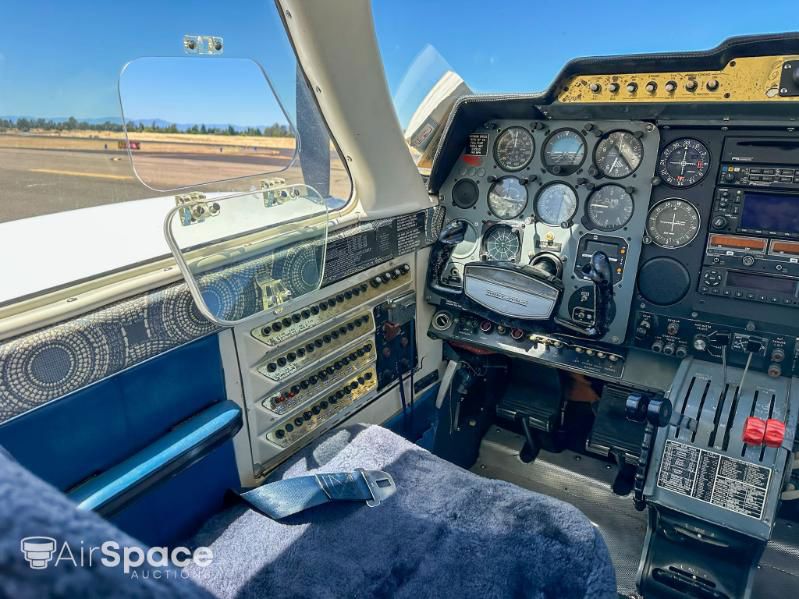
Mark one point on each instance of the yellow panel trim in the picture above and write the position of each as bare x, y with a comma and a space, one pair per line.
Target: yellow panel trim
752, 79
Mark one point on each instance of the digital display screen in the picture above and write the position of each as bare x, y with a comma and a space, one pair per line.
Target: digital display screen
760, 282
770, 212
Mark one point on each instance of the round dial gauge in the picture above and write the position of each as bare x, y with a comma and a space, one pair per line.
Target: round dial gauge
672, 223
514, 148
465, 193
618, 154
502, 244
556, 204
564, 152
684, 162
507, 197
610, 207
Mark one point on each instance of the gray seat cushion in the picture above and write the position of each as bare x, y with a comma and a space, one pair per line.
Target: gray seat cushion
29, 507
445, 533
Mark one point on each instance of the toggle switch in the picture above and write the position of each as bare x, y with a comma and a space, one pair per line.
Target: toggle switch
774, 434
754, 431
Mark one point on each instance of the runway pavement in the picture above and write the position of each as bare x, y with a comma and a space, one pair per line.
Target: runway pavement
42, 181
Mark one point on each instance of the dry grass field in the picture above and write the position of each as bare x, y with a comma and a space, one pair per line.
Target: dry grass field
150, 142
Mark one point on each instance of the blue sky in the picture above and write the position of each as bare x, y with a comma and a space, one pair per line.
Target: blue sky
60, 58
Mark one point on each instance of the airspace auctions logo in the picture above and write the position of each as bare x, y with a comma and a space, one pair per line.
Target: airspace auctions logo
160, 562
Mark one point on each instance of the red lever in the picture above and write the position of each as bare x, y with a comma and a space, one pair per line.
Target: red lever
775, 433
754, 430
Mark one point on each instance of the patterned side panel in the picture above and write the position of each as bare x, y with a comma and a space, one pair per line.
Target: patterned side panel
49, 363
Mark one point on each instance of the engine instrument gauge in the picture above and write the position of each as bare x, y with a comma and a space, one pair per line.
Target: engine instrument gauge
556, 204
507, 198
564, 152
465, 193
672, 223
609, 208
684, 162
514, 148
619, 154
501, 243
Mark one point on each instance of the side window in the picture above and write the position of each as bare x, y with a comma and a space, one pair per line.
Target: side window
63, 146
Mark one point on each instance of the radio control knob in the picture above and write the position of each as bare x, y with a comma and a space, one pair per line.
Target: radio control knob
778, 355
671, 86
613, 87
719, 222
774, 370
673, 328
668, 349
748, 260
729, 177
651, 87
691, 85
486, 326
681, 352
657, 346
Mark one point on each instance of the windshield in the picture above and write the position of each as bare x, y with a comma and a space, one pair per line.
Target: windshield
517, 46
98, 181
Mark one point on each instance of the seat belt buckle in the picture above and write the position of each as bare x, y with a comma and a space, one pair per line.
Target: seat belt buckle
380, 484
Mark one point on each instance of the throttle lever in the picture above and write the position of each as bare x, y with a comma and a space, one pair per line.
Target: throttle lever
656, 412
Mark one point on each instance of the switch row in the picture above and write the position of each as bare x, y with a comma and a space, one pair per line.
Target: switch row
298, 357
288, 398
298, 322
313, 416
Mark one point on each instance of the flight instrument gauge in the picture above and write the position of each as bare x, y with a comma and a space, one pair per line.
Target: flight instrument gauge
501, 243
564, 152
684, 162
672, 223
556, 204
619, 154
507, 197
609, 208
514, 148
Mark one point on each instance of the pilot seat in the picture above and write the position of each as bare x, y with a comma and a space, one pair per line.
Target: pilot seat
445, 532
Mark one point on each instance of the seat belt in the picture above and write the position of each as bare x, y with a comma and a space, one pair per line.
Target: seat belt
294, 495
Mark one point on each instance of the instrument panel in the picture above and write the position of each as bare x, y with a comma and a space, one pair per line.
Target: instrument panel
697, 219
550, 193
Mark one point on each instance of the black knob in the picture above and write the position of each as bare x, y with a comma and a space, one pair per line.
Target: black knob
280, 433
613, 87
287, 322
314, 310
316, 409
298, 421
265, 331
291, 356
671, 86
691, 85
306, 313
651, 87
313, 379
277, 326
323, 404
307, 415
295, 317
595, 88
348, 294
323, 306
719, 222
632, 87
281, 361
712, 85
289, 427
271, 367
295, 389
356, 291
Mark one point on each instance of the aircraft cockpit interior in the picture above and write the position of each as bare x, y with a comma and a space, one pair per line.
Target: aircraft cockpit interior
283, 316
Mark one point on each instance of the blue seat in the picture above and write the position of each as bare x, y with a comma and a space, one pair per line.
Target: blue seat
445, 533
